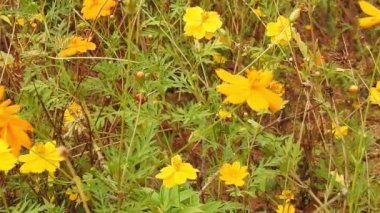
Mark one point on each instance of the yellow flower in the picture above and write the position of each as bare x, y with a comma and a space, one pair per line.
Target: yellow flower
374, 94
277, 87
93, 9
199, 23
339, 131
258, 12
20, 21
73, 194
42, 157
224, 114
219, 59
8, 160
12, 128
233, 174
286, 208
280, 31
177, 173
286, 195
337, 177
255, 90
72, 114
373, 12
77, 45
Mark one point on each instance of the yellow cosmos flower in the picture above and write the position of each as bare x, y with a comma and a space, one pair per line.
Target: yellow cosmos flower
373, 12
280, 31
286, 208
92, 9
219, 59
339, 131
42, 157
286, 195
8, 160
20, 21
199, 23
177, 173
374, 94
233, 174
224, 114
13, 129
255, 90
77, 45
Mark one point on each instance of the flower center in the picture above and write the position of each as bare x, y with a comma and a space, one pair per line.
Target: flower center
204, 16
40, 149
176, 164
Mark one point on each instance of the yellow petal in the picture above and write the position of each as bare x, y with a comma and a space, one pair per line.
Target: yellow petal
369, 9
257, 102
193, 15
230, 78
368, 22
213, 22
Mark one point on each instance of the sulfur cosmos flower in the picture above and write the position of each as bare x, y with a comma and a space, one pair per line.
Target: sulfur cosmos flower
177, 173
41, 157
374, 94
280, 31
373, 12
255, 90
12, 128
286, 208
93, 9
76, 45
233, 174
200, 23
8, 160
286, 195
339, 131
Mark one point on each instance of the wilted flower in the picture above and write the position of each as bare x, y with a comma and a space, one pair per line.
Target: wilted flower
77, 45
373, 12
233, 174
280, 31
199, 23
255, 90
41, 157
177, 173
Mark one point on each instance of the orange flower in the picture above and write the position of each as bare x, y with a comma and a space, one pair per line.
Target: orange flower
93, 9
77, 45
13, 128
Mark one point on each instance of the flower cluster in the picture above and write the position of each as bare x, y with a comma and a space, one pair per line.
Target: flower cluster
13, 136
178, 172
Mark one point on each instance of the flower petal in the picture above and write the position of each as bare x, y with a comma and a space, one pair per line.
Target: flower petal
369, 9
